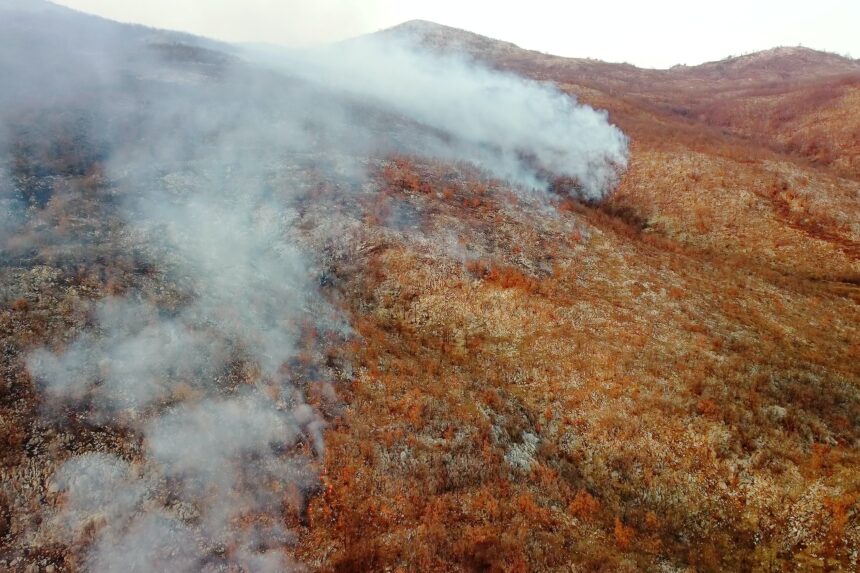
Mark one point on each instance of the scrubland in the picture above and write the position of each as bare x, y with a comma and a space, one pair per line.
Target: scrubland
666, 380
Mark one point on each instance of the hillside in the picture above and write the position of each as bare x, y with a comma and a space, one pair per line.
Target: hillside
794, 101
254, 320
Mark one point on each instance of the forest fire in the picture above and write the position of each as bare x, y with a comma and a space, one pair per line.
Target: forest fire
413, 302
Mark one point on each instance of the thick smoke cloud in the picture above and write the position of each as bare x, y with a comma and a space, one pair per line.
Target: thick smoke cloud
206, 162
518, 130
247, 274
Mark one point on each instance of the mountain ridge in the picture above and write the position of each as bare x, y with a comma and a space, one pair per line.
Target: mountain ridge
442, 34
792, 100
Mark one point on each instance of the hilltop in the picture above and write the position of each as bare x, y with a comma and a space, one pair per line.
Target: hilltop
782, 63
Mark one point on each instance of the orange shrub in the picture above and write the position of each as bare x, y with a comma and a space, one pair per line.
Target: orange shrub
623, 535
584, 505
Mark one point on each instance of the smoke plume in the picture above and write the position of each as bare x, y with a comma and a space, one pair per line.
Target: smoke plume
197, 161
518, 130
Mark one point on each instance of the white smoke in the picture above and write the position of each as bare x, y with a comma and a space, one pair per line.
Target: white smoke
207, 160
247, 273
136, 359
104, 499
518, 130
229, 452
100, 487
231, 456
150, 542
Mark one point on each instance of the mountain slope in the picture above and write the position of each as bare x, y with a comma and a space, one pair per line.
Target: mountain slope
794, 100
252, 321
515, 419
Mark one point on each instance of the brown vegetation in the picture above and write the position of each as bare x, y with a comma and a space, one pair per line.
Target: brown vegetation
664, 382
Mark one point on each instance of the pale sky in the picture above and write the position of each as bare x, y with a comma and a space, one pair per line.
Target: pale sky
656, 33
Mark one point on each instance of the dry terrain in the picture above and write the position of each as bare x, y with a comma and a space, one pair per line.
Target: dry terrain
666, 380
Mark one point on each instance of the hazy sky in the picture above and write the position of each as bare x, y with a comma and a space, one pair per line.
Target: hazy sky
656, 33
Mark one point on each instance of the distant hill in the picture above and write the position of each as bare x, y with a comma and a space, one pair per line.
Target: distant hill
784, 63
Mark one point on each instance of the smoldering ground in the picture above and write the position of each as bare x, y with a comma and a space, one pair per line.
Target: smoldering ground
200, 161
